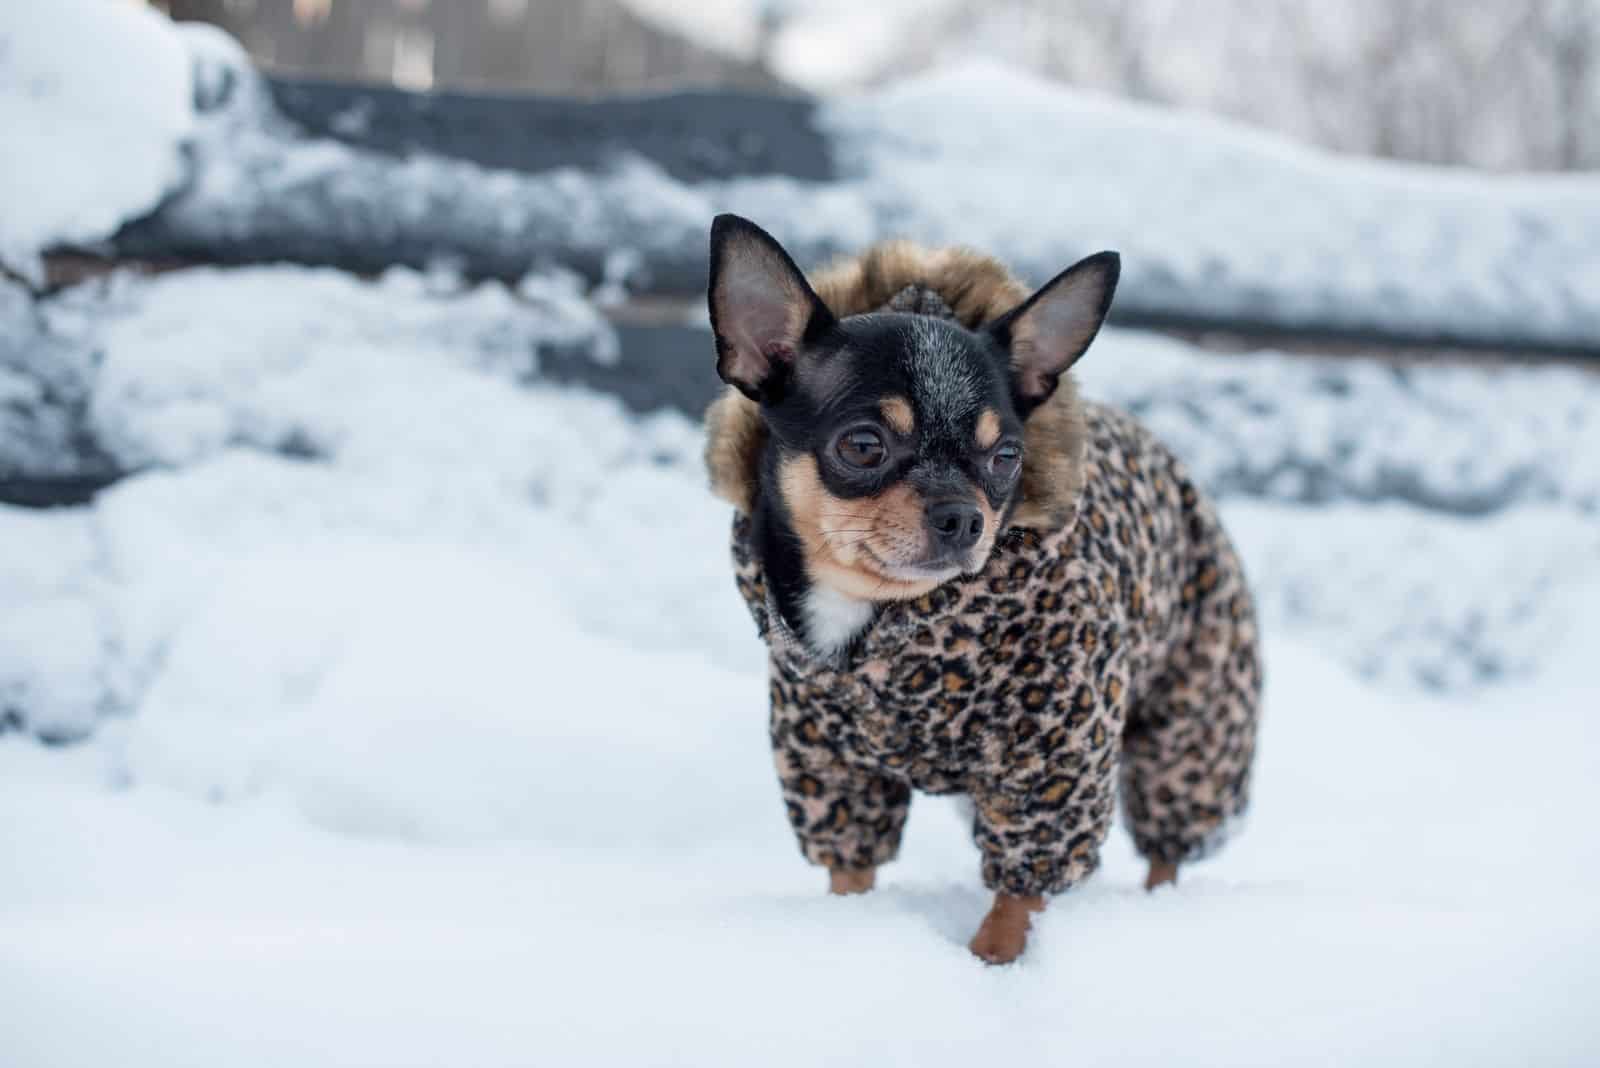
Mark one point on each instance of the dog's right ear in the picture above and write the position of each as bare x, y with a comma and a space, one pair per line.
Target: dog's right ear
762, 307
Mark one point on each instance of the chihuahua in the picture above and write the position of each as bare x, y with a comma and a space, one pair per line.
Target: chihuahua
970, 580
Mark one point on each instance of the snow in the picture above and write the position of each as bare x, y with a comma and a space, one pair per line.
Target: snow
446, 743
1382, 905
318, 425
119, 374
398, 706
44, 387
1402, 598
95, 105
1216, 221
1213, 218
308, 403
439, 735
57, 673
310, 358
1468, 438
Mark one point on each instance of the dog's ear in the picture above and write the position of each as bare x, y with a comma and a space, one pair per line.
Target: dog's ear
1046, 333
762, 307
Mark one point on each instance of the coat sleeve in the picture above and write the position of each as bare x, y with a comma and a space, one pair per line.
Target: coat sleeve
1043, 813
1190, 741
844, 817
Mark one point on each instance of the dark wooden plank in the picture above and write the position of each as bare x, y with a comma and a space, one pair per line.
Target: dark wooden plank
693, 136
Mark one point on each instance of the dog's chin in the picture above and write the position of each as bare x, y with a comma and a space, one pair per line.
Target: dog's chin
875, 575
879, 580
923, 572
931, 572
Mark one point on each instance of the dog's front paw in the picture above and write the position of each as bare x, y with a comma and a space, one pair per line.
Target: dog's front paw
1003, 934
1161, 873
851, 880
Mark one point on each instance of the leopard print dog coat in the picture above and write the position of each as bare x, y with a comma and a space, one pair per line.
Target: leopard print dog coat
1116, 646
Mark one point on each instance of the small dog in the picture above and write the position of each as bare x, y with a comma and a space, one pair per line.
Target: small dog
970, 580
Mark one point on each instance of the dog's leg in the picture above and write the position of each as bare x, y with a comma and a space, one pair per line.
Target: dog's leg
1162, 872
847, 820
1004, 932
851, 880
1037, 839
1187, 747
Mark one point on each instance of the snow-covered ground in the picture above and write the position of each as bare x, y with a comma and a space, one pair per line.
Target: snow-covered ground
398, 708
419, 722
1415, 887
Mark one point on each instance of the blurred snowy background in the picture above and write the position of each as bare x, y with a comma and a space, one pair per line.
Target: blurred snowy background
372, 686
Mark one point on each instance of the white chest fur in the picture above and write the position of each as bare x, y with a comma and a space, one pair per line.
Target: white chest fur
832, 619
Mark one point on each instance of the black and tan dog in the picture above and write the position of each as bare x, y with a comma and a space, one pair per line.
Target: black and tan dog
970, 580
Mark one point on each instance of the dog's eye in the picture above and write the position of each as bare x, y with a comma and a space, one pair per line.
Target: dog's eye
861, 448
1003, 463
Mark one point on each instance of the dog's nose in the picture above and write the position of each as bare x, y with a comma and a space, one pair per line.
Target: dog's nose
955, 525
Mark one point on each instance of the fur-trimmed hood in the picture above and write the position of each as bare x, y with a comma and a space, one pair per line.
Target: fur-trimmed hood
952, 283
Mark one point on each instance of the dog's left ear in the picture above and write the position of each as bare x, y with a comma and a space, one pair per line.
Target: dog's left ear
762, 307
1046, 333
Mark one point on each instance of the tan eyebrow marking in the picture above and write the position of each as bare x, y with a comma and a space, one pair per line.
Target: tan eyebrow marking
988, 428
897, 413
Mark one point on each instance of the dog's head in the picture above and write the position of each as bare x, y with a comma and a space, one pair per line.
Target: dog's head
897, 442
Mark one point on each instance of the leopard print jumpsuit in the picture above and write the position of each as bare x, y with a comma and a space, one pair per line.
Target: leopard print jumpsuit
1118, 650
